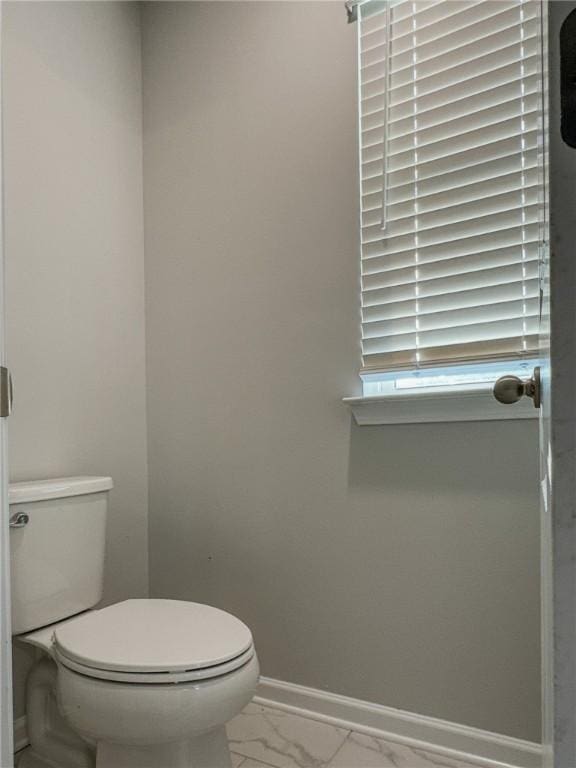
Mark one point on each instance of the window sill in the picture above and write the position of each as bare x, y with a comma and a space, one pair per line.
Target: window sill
443, 405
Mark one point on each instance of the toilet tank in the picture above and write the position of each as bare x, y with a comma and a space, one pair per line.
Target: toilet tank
57, 541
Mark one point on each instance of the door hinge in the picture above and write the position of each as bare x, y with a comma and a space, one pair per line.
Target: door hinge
6, 392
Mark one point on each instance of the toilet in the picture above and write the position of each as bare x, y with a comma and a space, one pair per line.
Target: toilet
138, 684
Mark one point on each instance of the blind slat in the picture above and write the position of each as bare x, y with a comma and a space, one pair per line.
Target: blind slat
482, 332
446, 210
467, 184
464, 246
464, 318
488, 350
461, 265
444, 235
494, 13
460, 290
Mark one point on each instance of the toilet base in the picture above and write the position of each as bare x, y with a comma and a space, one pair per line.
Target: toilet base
210, 750
77, 722
29, 759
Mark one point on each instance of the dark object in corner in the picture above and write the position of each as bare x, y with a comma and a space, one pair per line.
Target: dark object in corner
568, 79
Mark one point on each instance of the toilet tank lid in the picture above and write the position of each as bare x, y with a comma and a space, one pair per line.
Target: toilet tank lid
58, 488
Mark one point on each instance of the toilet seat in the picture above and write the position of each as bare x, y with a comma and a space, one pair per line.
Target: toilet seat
156, 678
154, 641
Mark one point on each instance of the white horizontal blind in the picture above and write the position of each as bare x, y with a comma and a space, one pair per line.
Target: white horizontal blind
452, 194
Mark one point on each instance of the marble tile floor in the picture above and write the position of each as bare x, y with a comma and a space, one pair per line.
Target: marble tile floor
261, 737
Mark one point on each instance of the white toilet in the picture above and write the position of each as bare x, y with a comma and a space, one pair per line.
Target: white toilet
139, 684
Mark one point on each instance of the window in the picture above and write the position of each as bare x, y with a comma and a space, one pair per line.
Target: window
452, 189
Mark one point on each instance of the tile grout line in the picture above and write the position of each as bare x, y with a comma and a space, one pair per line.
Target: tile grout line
344, 740
340, 748
256, 761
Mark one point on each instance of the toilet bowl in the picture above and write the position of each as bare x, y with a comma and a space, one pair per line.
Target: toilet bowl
143, 683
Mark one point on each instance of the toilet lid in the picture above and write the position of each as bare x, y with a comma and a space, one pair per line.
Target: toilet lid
153, 636
160, 678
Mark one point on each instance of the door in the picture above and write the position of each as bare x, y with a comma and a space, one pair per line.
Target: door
558, 424
558, 400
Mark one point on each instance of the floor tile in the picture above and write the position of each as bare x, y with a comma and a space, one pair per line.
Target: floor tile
361, 751
283, 740
269, 738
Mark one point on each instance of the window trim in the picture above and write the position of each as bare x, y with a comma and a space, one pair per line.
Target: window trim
385, 401
436, 405
458, 400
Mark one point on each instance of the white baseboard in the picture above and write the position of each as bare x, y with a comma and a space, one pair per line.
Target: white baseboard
20, 734
450, 739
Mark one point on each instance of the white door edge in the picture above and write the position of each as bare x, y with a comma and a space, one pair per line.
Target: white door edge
6, 713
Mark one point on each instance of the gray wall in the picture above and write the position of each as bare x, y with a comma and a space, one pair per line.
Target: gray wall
74, 244
393, 564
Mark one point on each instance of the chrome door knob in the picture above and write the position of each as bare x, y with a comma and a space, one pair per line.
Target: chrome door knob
510, 389
19, 520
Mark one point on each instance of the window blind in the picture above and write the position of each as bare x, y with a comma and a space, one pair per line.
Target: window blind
451, 180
